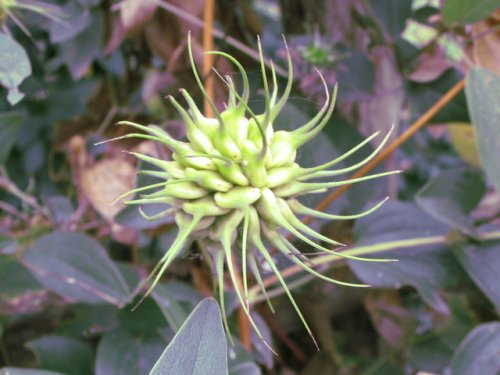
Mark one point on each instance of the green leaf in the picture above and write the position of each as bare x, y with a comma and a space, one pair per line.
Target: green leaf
246, 368
479, 353
121, 352
173, 309
462, 12
423, 96
146, 319
356, 76
14, 67
25, 371
392, 14
482, 89
481, 264
199, 348
76, 266
88, 320
135, 342
452, 195
10, 123
77, 19
79, 52
432, 349
61, 209
63, 354
8, 245
16, 279
428, 269
240, 361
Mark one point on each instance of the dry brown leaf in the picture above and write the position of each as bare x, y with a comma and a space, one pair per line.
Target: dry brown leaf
485, 50
135, 13
103, 182
430, 66
166, 36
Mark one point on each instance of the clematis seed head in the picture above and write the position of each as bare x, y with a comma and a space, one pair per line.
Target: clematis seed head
233, 185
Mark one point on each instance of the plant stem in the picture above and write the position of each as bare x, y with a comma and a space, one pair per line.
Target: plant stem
416, 126
219, 34
256, 297
208, 59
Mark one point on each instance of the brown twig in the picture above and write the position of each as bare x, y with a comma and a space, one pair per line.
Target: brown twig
281, 333
416, 126
244, 327
243, 322
208, 60
10, 187
208, 45
219, 34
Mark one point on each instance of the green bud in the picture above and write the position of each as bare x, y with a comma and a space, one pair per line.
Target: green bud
253, 164
205, 206
196, 162
283, 149
282, 175
238, 197
231, 172
226, 146
208, 179
184, 190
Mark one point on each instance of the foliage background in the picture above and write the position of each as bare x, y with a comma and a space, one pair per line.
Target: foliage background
70, 263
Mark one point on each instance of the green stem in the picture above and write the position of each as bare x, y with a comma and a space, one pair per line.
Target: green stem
355, 251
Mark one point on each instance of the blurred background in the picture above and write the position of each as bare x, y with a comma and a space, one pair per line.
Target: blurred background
70, 261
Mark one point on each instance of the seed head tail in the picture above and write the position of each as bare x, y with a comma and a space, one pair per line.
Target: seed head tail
305, 188
232, 273
299, 225
343, 156
200, 84
219, 268
168, 258
158, 174
147, 129
256, 273
165, 200
274, 94
340, 254
244, 244
306, 137
157, 216
162, 164
300, 209
288, 88
315, 120
267, 99
246, 85
138, 190
285, 247
289, 227
195, 112
270, 262
355, 166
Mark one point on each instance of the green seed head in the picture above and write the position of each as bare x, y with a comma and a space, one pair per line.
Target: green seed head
233, 185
